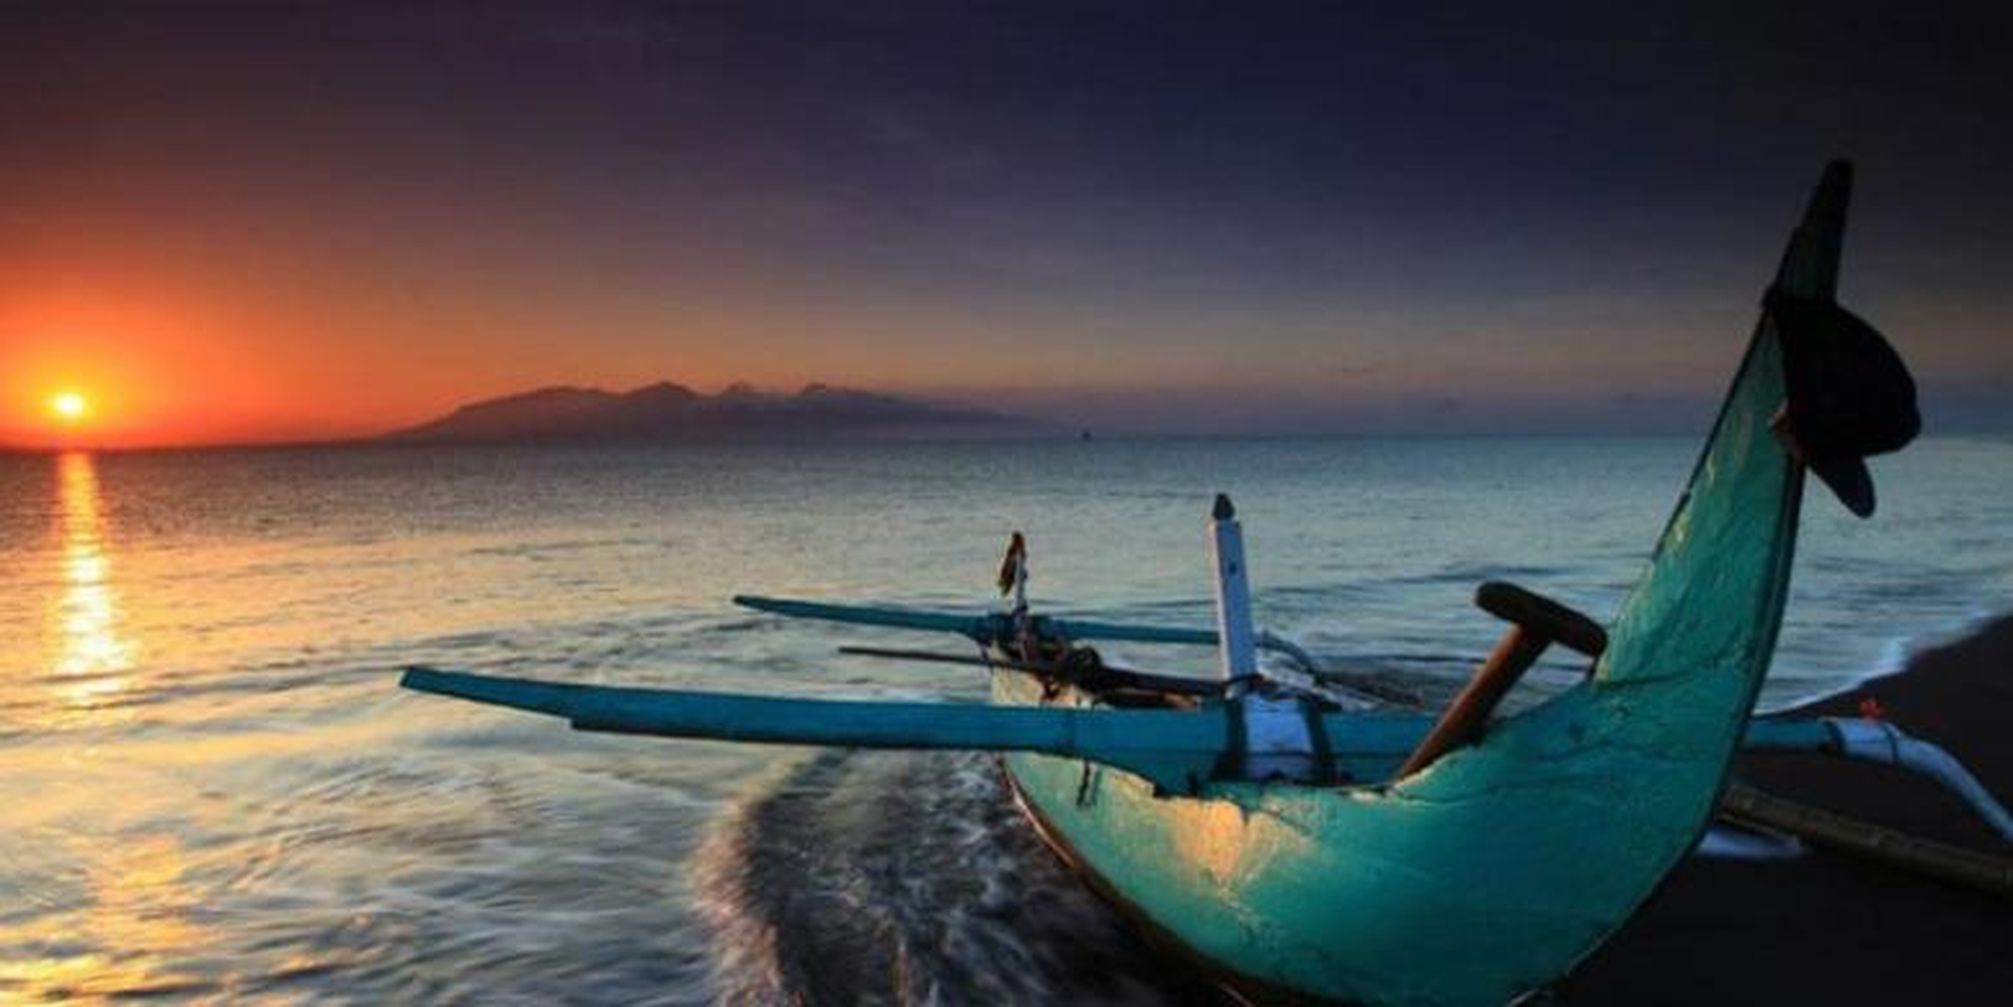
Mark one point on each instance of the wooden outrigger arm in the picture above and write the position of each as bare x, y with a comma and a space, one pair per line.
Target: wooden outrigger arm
998, 628
993, 627
990, 627
1176, 750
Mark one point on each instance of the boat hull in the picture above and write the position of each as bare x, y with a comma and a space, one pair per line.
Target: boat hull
1499, 867
1361, 895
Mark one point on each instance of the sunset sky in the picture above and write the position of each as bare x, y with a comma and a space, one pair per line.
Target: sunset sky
246, 223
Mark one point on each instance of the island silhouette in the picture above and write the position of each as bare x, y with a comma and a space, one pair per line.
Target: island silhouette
671, 412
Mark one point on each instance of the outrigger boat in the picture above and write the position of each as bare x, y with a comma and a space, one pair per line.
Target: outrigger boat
1311, 836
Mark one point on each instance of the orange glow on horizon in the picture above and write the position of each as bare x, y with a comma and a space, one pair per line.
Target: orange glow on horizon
166, 360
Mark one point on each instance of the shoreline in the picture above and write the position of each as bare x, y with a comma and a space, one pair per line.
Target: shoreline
1824, 925
1898, 656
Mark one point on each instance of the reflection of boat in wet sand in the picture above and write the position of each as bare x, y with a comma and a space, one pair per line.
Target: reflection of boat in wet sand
1303, 836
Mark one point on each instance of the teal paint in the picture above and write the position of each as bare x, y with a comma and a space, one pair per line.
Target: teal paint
1790, 734
978, 627
983, 627
1175, 750
1167, 747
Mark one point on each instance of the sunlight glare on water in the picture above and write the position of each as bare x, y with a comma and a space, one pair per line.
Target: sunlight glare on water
93, 653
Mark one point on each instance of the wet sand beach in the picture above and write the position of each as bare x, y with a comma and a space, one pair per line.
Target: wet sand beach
1826, 927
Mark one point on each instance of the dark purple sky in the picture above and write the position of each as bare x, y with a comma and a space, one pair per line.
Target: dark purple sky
1302, 217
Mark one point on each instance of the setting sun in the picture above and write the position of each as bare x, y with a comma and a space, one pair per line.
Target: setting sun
69, 406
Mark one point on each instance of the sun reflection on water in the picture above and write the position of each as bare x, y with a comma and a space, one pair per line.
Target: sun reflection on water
128, 934
92, 654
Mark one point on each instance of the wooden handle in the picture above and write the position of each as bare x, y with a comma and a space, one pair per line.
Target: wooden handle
1543, 616
1462, 722
1536, 623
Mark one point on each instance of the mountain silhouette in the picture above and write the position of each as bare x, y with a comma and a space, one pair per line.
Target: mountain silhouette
667, 411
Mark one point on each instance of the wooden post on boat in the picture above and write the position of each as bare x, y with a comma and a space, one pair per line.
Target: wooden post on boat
1277, 741
1238, 643
1536, 622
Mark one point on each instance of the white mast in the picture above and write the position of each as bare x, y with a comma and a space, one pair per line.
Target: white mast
1237, 641
1277, 739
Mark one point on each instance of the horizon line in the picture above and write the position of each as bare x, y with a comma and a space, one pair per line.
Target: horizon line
1062, 434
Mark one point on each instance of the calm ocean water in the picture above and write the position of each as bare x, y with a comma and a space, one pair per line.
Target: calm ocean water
212, 787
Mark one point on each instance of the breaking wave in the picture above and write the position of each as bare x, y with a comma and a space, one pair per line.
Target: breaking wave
911, 878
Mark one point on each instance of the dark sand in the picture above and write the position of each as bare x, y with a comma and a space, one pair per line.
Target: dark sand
1830, 928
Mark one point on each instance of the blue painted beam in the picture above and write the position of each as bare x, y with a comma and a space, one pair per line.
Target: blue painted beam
983, 627
1167, 747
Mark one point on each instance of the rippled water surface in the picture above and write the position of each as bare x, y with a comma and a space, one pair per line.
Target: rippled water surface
212, 786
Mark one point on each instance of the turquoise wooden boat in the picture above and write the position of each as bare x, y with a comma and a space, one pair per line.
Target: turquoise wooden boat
1304, 843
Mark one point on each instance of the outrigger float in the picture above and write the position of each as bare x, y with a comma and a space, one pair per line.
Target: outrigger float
1311, 835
